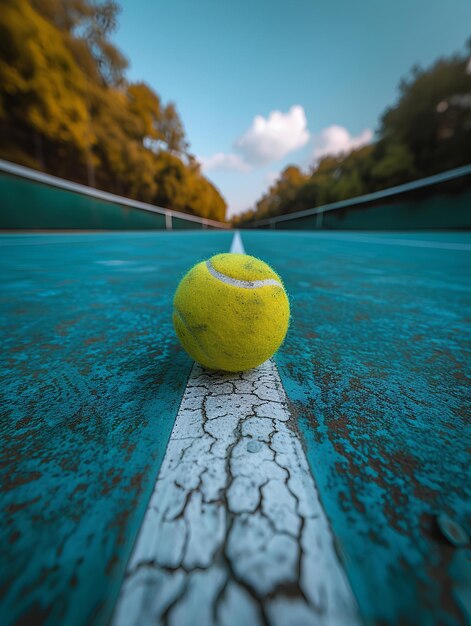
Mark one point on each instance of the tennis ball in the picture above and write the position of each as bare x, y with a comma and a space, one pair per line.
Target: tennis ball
231, 313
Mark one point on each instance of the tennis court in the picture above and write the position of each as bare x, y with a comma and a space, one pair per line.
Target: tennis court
373, 382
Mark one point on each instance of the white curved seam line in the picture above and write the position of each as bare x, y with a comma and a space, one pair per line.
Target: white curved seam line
180, 315
244, 284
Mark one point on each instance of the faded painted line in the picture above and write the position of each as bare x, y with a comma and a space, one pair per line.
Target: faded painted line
413, 243
237, 246
235, 533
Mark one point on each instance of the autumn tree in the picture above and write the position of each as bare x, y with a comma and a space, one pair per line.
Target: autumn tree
282, 195
67, 108
42, 89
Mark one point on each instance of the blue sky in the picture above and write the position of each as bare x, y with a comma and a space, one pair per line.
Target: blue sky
260, 84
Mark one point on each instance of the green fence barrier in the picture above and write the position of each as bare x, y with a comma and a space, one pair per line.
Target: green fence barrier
31, 200
437, 202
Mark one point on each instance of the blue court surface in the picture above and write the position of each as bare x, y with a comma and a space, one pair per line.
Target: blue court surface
375, 367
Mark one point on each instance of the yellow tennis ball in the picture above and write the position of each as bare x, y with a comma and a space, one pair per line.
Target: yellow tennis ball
231, 313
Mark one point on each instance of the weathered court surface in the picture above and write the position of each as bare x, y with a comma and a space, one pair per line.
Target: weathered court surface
370, 387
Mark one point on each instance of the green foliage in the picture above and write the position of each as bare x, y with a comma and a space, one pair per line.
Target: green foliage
432, 118
394, 164
66, 107
426, 131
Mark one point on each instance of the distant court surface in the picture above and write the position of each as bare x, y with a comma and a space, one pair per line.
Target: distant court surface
374, 374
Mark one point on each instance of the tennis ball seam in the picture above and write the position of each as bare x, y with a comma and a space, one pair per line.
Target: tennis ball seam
244, 284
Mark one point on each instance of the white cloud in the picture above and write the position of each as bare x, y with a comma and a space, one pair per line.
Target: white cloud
335, 140
270, 139
223, 161
267, 140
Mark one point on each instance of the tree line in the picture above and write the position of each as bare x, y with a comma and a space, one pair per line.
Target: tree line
427, 131
67, 108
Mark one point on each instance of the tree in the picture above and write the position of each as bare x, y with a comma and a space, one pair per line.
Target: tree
432, 118
88, 24
427, 130
183, 188
394, 166
41, 86
66, 107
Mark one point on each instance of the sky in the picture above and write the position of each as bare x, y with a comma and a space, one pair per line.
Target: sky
262, 84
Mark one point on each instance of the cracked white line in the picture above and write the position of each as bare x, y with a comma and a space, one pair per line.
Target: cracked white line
235, 537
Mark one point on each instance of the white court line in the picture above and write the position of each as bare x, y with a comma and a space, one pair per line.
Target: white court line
235, 534
237, 246
413, 243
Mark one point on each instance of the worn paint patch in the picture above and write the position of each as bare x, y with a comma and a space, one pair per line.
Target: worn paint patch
91, 380
234, 533
377, 365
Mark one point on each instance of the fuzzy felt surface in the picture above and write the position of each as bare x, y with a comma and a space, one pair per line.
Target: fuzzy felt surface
225, 326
